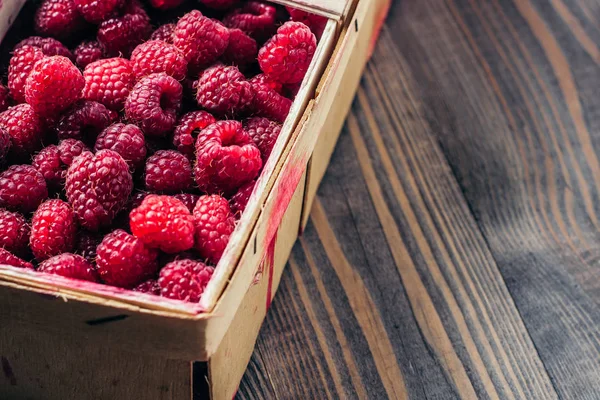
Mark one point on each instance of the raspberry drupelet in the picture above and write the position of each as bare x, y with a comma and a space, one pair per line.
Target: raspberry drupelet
214, 224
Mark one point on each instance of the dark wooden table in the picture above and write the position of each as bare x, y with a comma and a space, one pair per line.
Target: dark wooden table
454, 249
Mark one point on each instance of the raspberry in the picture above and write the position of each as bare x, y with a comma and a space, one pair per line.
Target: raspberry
20, 66
262, 79
86, 245
84, 121
291, 90
69, 149
49, 46
98, 187
70, 266
7, 258
188, 199
127, 140
184, 280
53, 229
201, 39
163, 33
120, 35
25, 128
187, 130
270, 104
22, 188
255, 18
157, 56
165, 4
168, 171
14, 232
242, 49
52, 162
153, 104
136, 199
150, 286
219, 4
108, 82
264, 133
163, 222
58, 18
4, 144
4, 98
214, 224
226, 157
287, 55
240, 199
88, 52
53, 85
123, 260
224, 90
96, 11
316, 23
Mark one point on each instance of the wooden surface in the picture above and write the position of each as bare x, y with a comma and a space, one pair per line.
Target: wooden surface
453, 250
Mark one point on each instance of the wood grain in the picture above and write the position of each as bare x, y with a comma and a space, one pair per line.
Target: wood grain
452, 250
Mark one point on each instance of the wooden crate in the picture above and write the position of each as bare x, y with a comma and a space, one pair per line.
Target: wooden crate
61, 339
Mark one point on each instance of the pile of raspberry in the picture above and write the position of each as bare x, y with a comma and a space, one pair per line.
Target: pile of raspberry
127, 158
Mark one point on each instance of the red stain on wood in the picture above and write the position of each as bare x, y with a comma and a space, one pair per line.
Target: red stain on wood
379, 20
8, 372
271, 265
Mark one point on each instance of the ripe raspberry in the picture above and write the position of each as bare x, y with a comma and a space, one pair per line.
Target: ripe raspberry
201, 39
168, 171
98, 187
84, 121
242, 49
96, 11
184, 280
163, 222
255, 18
86, 245
188, 199
69, 149
136, 200
53, 85
165, 4
14, 232
123, 260
219, 4
316, 23
20, 66
262, 79
240, 199
224, 91
52, 162
127, 140
153, 104
53, 229
49, 46
120, 35
287, 55
58, 18
163, 33
264, 133
7, 258
25, 128
22, 188
4, 144
226, 157
4, 98
108, 82
157, 56
214, 224
188, 128
270, 104
70, 266
88, 52
150, 286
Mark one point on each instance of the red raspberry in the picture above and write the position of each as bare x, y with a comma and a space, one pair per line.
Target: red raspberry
242, 49
98, 187
240, 199
58, 18
262, 79
187, 130
69, 149
165, 4
219, 4
287, 55
270, 104
163, 222
264, 133
168, 171
226, 157
136, 199
123, 260
158, 56
96, 11
153, 104
127, 140
53, 229
188, 199
214, 224
184, 280
201, 39
20, 66
86, 245
120, 35
88, 52
52, 162
84, 121
163, 33
14, 232
53, 85
255, 18
224, 90
25, 128
70, 266
316, 23
150, 286
108, 82
7, 258
4, 98
4, 144
49, 46
22, 188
